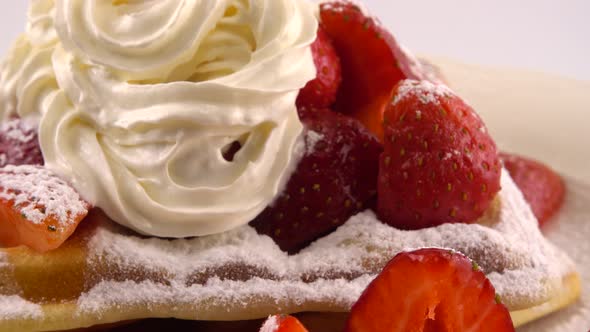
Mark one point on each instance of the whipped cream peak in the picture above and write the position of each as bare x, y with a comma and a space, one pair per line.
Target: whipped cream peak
197, 40
40, 23
148, 39
139, 101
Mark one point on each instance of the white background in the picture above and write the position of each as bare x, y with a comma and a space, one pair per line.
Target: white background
544, 35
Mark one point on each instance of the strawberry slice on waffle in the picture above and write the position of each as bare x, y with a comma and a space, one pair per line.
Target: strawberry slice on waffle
37, 208
430, 290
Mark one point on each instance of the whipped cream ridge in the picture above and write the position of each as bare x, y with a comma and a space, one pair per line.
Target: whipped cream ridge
137, 101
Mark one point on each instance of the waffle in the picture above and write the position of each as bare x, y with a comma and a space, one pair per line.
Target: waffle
106, 274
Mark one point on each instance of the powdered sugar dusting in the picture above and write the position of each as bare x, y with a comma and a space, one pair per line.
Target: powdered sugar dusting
270, 325
18, 130
19, 143
181, 258
570, 231
312, 138
540, 274
506, 243
219, 295
38, 194
15, 308
427, 92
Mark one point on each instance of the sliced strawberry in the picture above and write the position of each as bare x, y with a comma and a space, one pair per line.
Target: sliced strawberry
19, 144
37, 209
439, 164
321, 92
282, 323
429, 290
334, 180
542, 188
372, 62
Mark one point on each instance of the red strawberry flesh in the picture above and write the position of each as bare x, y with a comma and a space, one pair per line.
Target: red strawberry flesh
429, 290
321, 92
542, 188
439, 163
335, 179
372, 62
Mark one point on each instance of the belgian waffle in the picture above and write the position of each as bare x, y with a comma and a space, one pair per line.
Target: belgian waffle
106, 274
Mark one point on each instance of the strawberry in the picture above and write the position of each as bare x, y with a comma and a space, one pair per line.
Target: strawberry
372, 62
334, 180
439, 164
429, 290
37, 209
282, 323
19, 144
321, 92
542, 188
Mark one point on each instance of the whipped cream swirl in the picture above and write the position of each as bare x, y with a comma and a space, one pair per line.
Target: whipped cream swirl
139, 101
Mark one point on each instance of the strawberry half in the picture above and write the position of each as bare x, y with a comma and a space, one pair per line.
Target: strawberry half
334, 180
19, 144
372, 62
542, 188
321, 92
439, 164
282, 323
429, 290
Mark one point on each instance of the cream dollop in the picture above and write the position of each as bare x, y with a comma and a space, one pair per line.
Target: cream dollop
26, 74
137, 101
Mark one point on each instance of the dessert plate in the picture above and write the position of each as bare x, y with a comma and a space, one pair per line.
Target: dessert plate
545, 117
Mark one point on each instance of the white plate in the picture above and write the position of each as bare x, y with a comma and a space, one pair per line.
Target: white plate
548, 118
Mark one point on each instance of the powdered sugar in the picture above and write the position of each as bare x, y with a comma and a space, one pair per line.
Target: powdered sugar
38, 193
427, 92
218, 297
270, 325
15, 308
540, 273
311, 139
507, 244
570, 231
19, 143
18, 130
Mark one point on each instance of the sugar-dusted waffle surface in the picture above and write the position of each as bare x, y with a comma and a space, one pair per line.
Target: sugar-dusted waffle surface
105, 274
570, 231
